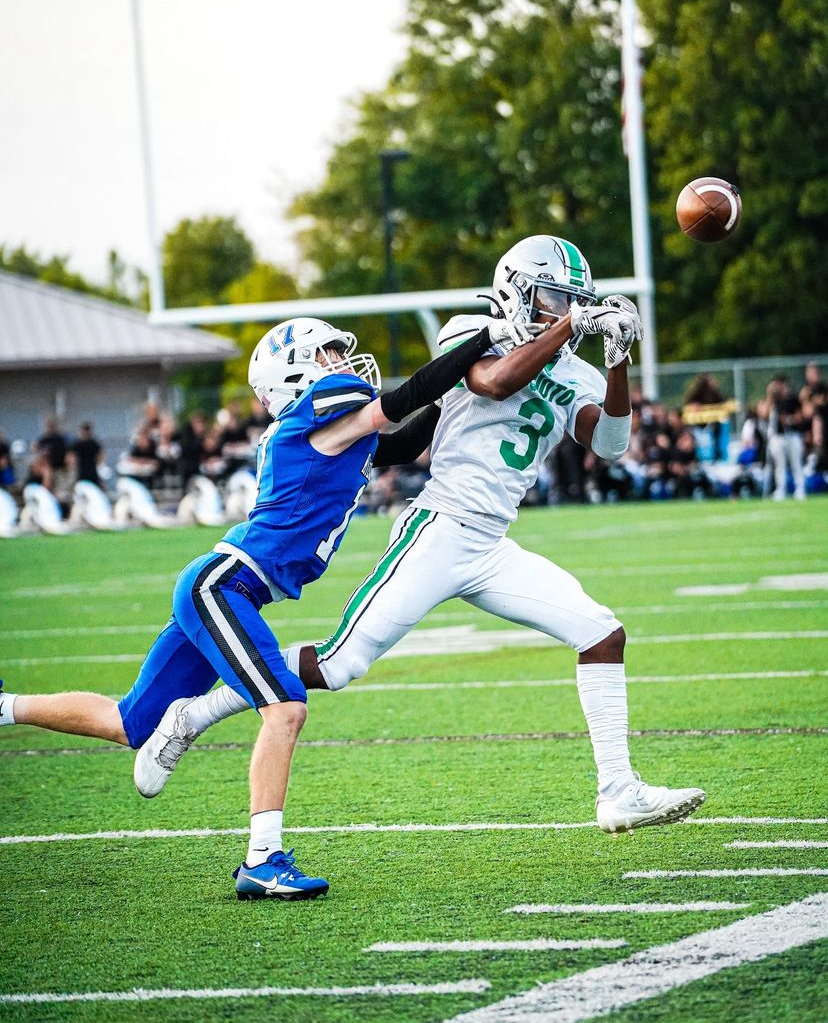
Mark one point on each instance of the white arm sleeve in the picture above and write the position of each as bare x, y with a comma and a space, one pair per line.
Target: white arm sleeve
612, 436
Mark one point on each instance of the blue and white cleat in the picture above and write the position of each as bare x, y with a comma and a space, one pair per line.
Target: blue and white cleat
277, 878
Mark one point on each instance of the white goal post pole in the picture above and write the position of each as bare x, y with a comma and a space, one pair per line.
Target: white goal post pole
422, 303
642, 259
156, 275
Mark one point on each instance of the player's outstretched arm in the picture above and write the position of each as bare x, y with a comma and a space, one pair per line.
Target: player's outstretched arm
410, 441
501, 377
607, 430
429, 383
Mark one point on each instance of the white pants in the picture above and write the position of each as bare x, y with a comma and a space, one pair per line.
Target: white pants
432, 557
786, 450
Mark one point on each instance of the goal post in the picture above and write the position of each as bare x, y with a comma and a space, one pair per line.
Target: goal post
424, 304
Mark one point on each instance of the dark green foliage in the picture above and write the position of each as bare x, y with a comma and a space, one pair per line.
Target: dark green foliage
202, 257
738, 90
126, 285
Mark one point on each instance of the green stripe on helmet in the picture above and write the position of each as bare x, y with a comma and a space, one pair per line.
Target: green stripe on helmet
575, 264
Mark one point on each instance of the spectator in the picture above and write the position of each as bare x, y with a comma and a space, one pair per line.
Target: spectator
212, 464
687, 478
54, 446
41, 471
234, 441
6, 465
151, 421
657, 465
754, 436
86, 455
705, 391
168, 448
785, 446
141, 461
814, 383
818, 453
191, 440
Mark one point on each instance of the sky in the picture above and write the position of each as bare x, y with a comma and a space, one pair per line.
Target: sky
246, 98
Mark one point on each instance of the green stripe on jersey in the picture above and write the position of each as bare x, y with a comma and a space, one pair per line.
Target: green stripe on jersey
576, 267
363, 592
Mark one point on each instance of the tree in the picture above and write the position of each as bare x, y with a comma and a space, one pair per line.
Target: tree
202, 257
509, 110
738, 90
55, 270
263, 283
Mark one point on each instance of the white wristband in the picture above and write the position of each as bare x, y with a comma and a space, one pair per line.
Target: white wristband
611, 437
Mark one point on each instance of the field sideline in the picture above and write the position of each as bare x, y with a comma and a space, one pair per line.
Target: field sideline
447, 797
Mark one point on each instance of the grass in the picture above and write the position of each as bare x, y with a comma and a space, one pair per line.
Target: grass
114, 914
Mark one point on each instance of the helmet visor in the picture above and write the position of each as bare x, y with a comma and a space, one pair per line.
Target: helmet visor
552, 303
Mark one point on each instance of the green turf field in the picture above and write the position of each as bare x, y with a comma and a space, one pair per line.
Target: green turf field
727, 691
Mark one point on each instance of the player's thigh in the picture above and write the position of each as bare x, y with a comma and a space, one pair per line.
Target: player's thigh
228, 629
412, 576
525, 588
173, 668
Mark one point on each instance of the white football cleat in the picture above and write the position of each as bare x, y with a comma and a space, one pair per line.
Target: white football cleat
639, 805
157, 758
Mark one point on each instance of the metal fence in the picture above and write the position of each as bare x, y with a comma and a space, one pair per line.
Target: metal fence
743, 380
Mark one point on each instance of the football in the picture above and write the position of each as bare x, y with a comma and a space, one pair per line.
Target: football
709, 209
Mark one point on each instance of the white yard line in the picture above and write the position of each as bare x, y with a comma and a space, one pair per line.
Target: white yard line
655, 971
532, 945
344, 829
462, 639
783, 844
460, 987
434, 616
588, 908
426, 740
741, 872
724, 676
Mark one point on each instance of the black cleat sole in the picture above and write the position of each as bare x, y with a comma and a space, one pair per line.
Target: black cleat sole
281, 896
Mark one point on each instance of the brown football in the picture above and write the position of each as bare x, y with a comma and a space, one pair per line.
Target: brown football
709, 209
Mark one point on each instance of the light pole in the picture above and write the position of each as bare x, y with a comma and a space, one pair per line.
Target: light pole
388, 158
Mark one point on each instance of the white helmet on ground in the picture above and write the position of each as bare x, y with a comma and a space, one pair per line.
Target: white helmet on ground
293, 355
539, 275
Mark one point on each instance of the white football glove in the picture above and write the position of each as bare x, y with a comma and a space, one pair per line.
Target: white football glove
616, 351
619, 325
513, 334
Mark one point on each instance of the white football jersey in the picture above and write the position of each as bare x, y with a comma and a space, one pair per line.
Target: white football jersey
486, 454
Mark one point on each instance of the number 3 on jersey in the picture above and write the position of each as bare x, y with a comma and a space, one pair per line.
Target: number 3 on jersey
528, 410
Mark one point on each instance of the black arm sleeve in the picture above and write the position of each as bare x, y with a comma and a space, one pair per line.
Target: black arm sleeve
404, 445
431, 381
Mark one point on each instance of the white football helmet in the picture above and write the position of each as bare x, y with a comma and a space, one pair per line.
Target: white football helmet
541, 275
295, 354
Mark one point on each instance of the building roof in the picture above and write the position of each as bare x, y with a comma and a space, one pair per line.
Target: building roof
42, 325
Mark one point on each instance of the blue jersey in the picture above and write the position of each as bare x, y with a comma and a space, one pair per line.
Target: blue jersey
305, 498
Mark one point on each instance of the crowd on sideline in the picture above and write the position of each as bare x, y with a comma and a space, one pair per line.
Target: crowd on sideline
685, 452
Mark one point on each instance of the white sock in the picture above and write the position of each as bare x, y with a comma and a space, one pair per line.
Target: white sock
602, 689
215, 706
291, 656
7, 708
265, 836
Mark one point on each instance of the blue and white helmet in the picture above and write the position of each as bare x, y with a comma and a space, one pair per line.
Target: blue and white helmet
541, 275
294, 354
